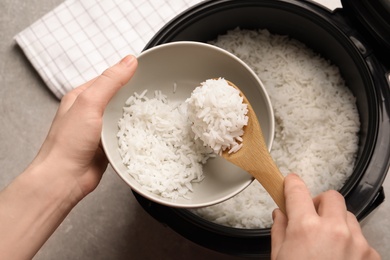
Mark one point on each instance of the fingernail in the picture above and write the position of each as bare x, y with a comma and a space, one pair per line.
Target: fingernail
128, 60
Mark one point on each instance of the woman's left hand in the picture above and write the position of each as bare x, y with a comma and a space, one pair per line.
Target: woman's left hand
73, 146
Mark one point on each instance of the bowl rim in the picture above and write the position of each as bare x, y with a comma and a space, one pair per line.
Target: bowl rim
173, 203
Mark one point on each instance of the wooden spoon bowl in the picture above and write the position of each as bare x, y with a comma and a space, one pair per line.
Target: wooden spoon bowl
255, 158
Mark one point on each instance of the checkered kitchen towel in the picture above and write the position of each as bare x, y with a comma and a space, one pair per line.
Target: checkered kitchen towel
79, 39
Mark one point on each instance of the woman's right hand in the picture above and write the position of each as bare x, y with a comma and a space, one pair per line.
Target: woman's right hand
320, 228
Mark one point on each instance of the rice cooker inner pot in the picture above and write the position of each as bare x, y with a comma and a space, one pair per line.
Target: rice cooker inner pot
327, 33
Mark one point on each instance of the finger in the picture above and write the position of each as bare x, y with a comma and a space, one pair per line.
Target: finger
331, 204
278, 231
362, 247
104, 87
298, 199
353, 223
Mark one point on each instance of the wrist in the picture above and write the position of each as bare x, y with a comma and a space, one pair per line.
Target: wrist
31, 208
51, 184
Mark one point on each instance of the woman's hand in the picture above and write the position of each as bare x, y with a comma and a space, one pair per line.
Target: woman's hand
72, 146
317, 229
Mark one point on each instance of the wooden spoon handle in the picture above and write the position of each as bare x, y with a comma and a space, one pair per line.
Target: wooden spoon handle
271, 179
255, 158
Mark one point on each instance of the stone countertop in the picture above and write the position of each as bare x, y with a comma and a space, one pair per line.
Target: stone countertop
106, 225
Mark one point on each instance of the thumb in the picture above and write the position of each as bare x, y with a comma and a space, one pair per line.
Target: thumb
103, 88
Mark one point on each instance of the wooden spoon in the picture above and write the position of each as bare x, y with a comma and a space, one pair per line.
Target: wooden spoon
254, 157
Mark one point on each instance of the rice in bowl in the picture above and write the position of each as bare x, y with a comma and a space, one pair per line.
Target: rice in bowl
158, 147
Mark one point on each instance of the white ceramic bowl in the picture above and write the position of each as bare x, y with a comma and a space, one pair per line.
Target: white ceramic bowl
186, 65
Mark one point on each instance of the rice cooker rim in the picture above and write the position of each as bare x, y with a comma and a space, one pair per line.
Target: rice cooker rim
314, 10
181, 220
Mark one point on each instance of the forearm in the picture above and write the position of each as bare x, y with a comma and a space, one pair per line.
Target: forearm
68, 166
31, 208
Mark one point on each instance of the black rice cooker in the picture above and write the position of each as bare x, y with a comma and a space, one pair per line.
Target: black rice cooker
356, 38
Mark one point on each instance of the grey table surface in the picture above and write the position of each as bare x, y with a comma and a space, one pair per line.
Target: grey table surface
109, 223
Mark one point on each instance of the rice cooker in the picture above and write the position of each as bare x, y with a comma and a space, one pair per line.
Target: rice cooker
356, 38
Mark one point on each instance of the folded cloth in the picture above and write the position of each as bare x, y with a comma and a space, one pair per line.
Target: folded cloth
79, 39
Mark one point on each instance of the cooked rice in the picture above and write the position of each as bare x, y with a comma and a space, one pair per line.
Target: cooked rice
218, 114
158, 147
316, 134
317, 122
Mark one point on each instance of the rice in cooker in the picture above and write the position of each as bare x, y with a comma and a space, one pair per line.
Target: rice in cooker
316, 122
316, 129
